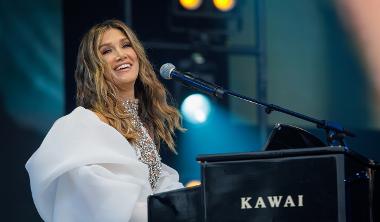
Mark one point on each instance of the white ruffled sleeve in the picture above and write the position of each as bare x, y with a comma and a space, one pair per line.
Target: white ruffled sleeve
85, 170
100, 193
169, 180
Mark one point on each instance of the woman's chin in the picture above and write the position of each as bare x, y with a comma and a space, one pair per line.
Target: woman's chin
125, 80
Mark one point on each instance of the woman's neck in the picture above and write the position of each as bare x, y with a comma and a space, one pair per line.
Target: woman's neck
127, 94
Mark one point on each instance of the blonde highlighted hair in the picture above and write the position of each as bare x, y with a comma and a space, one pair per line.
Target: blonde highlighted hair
97, 93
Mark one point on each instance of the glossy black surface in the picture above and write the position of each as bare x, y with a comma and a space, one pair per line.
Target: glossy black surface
336, 184
183, 205
290, 137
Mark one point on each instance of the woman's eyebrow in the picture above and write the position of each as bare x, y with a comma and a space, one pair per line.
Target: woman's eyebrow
124, 40
105, 44
108, 44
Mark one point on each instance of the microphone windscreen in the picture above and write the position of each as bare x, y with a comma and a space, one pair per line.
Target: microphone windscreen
166, 69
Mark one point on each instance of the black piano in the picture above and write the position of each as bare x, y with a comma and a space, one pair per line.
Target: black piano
325, 184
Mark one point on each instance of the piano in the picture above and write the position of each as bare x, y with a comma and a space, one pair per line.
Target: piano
314, 184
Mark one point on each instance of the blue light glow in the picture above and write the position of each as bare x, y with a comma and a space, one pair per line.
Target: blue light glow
196, 108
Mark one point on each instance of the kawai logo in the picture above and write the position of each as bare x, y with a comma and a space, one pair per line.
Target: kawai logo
271, 202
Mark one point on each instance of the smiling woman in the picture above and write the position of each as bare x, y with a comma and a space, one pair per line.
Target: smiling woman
122, 60
101, 161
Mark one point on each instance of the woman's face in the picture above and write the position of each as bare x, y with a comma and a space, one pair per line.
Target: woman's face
118, 53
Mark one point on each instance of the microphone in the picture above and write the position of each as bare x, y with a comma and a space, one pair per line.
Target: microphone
168, 71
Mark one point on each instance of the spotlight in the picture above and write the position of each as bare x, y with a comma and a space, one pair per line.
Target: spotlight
196, 108
205, 17
190, 4
224, 5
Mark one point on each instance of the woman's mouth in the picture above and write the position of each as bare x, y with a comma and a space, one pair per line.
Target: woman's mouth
123, 67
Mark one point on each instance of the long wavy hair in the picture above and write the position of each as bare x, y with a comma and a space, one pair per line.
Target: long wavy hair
97, 93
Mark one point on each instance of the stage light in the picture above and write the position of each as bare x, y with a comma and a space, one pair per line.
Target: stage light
196, 108
190, 4
224, 5
193, 183
199, 18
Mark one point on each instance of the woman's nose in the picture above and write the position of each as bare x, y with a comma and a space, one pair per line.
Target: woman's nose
120, 54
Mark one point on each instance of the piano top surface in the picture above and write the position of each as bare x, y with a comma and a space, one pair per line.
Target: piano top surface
284, 153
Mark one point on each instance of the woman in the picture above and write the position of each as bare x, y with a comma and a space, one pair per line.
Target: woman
101, 161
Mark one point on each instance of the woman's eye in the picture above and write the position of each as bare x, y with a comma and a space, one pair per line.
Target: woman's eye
126, 45
106, 51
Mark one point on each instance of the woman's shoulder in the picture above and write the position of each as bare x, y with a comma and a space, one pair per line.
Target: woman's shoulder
79, 114
83, 126
80, 119
78, 139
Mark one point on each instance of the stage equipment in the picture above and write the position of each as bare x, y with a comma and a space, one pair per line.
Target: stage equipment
224, 5
206, 8
335, 132
329, 184
190, 4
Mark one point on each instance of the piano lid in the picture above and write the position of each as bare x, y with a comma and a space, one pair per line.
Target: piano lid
285, 136
285, 153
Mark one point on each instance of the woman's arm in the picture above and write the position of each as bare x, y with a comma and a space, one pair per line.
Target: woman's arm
99, 193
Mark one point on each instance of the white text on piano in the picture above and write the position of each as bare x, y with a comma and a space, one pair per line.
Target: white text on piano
272, 202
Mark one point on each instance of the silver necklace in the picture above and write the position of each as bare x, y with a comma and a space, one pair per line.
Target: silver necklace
145, 148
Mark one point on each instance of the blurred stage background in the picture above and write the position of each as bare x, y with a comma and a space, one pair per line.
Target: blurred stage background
315, 57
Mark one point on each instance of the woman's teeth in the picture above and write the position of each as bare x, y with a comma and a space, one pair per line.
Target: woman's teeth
124, 66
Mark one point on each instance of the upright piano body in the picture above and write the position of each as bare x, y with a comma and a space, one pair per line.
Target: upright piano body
330, 184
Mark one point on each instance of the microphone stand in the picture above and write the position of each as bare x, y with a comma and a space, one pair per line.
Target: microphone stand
334, 131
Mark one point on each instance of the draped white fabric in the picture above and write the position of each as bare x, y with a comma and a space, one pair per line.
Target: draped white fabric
85, 170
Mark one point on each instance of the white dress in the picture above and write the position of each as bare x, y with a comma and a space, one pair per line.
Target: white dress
85, 170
